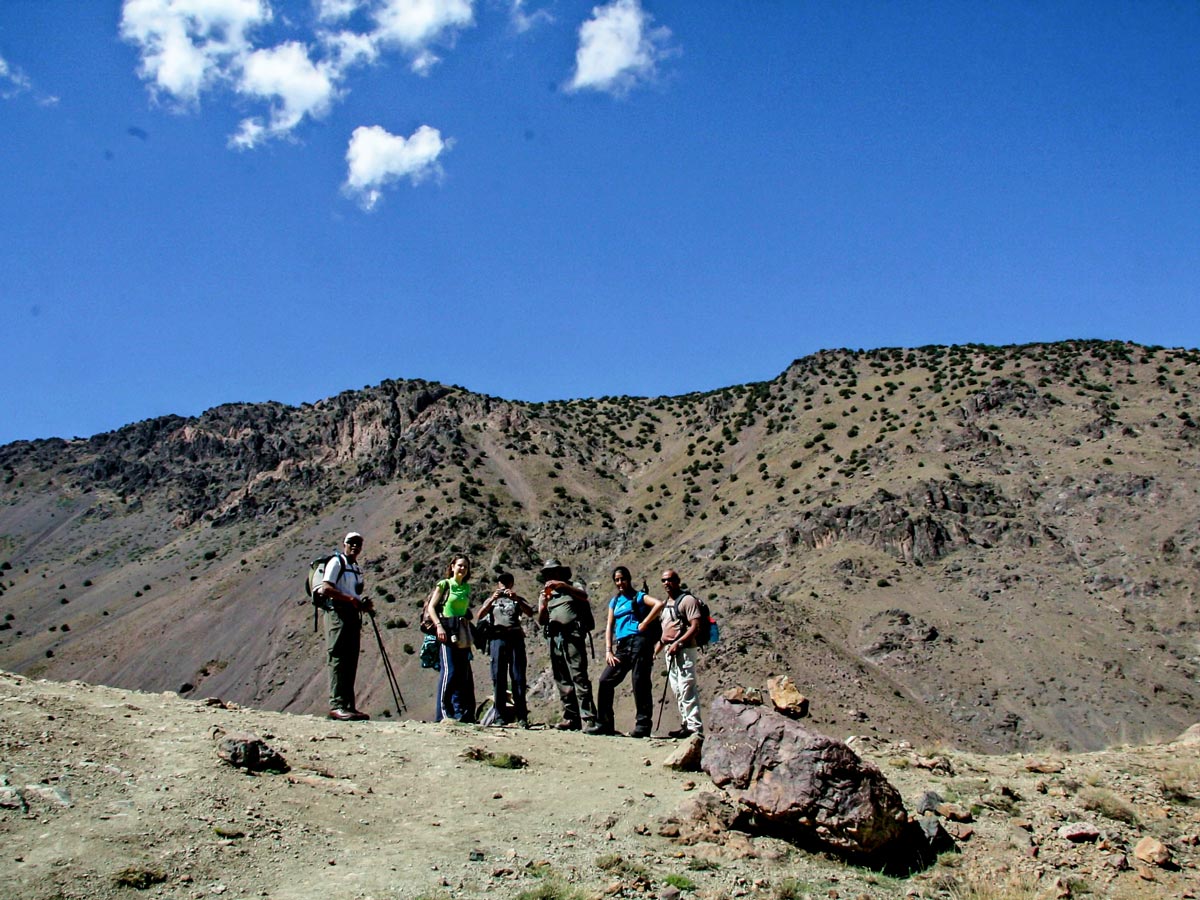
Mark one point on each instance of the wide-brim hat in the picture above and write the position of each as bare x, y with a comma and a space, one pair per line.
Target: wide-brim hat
553, 570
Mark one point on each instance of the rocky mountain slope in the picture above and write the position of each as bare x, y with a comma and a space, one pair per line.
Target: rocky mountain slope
990, 547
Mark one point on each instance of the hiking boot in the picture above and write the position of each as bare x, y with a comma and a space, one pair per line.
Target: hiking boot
598, 729
360, 716
638, 733
343, 715
568, 725
680, 733
524, 723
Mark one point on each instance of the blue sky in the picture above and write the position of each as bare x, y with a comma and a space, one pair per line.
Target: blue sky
205, 201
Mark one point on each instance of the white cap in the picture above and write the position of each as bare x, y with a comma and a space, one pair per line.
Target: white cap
353, 536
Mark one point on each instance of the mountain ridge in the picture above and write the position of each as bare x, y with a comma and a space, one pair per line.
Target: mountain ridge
991, 546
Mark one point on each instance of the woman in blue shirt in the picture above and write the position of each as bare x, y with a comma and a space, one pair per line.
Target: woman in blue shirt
629, 647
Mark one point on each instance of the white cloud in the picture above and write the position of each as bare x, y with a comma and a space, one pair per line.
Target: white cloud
522, 21
376, 159
617, 48
414, 25
337, 10
348, 48
14, 82
295, 85
188, 45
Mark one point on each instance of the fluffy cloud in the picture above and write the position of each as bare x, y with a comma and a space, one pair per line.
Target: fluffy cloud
414, 25
337, 10
376, 159
295, 86
617, 48
188, 45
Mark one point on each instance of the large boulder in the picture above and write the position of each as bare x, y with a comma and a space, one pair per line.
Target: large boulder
799, 784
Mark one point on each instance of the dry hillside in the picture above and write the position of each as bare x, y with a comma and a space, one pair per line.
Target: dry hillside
995, 548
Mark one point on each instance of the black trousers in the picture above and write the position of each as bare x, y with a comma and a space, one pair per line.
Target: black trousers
634, 654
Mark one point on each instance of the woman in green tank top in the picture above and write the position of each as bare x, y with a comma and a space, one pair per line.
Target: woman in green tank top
449, 607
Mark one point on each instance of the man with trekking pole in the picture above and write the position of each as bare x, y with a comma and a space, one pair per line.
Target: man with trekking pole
680, 620
342, 589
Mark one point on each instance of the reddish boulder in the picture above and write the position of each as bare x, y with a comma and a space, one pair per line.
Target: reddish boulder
800, 784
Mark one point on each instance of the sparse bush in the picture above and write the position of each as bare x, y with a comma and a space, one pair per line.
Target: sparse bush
1107, 804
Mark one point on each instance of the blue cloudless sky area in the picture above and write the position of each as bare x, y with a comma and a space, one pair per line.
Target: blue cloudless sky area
207, 201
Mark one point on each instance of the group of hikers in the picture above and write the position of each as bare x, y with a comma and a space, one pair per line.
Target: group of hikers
637, 630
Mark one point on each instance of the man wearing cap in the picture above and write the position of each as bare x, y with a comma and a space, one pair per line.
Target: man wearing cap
564, 611
343, 589
681, 619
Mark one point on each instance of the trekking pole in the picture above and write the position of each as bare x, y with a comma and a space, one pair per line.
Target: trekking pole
663, 700
387, 668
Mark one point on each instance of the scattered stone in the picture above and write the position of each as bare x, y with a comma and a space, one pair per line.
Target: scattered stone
1045, 767
686, 757
1117, 861
50, 793
940, 840
786, 697
961, 833
139, 878
248, 751
704, 817
1152, 851
1079, 832
798, 782
12, 798
954, 812
744, 696
929, 802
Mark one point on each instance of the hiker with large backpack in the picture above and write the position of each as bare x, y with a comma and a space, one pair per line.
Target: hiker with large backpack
449, 608
566, 616
684, 619
502, 612
341, 594
629, 640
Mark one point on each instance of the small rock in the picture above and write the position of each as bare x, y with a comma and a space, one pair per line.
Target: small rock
786, 697
929, 802
960, 832
670, 892
1044, 767
1079, 832
686, 757
1152, 851
953, 812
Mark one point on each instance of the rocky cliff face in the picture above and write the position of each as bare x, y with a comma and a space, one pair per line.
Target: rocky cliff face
992, 546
